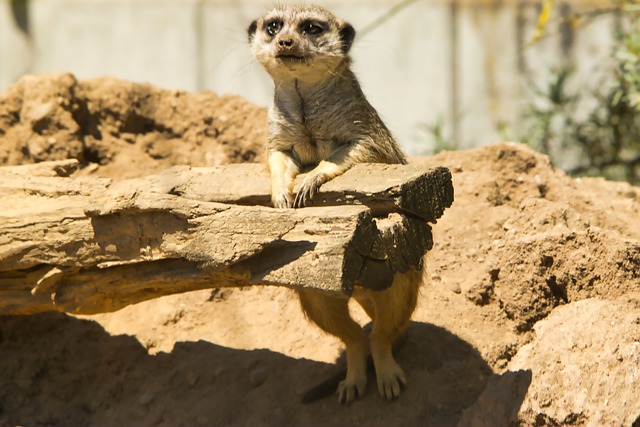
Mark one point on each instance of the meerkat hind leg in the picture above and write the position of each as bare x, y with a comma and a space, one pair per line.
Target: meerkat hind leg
331, 314
390, 311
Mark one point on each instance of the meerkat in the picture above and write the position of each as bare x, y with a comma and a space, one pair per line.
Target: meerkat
321, 119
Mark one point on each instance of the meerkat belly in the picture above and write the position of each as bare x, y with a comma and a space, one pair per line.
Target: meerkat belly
314, 143
311, 151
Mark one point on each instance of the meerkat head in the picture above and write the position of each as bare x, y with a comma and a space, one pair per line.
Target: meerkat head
303, 42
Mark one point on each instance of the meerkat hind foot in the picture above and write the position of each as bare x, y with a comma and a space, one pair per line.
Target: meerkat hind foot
351, 389
391, 380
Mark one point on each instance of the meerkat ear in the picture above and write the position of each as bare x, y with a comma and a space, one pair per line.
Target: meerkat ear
347, 34
251, 31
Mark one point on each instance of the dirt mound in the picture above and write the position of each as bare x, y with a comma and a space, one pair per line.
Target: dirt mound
530, 315
120, 129
545, 239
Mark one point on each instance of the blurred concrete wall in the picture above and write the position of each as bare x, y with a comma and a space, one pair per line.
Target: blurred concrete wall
461, 63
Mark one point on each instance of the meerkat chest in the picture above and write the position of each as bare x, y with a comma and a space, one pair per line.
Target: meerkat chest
307, 127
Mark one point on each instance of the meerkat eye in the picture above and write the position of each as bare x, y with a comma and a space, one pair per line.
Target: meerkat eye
272, 27
312, 28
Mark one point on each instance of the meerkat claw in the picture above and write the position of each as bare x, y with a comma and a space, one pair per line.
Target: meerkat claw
391, 381
308, 190
283, 201
301, 199
348, 393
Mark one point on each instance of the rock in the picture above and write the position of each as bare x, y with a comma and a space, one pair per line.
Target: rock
585, 365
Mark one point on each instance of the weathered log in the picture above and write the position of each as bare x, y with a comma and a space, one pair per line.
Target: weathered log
88, 245
382, 188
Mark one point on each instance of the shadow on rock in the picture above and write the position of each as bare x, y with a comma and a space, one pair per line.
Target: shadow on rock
57, 370
500, 402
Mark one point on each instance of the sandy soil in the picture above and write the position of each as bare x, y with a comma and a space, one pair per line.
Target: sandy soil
530, 314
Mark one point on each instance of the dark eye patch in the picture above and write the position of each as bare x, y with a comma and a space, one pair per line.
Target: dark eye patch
273, 26
312, 28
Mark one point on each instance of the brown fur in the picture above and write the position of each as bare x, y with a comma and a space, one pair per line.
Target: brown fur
321, 118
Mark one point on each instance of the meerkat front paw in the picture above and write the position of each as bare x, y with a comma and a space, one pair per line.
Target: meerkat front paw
309, 188
282, 200
391, 380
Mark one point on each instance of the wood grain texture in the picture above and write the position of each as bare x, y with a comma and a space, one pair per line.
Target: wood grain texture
89, 245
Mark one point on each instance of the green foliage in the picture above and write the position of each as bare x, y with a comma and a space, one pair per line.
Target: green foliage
601, 137
442, 140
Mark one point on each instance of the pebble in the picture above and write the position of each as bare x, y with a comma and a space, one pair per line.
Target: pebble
455, 288
191, 378
258, 376
146, 397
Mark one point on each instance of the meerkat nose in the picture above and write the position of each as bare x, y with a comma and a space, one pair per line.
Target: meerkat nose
285, 44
